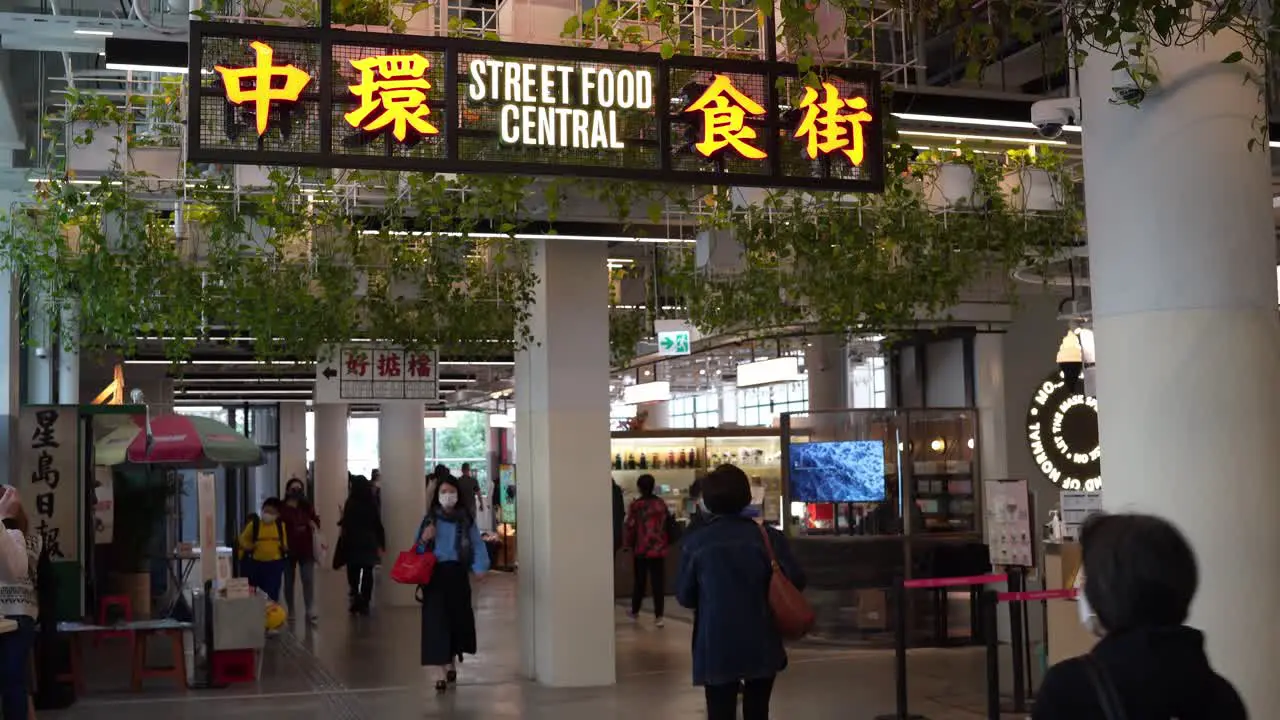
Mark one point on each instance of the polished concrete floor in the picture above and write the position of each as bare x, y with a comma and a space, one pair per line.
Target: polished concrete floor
366, 668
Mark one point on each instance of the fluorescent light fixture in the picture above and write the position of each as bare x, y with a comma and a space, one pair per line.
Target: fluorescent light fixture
146, 55
501, 421
101, 33
147, 68
1274, 143
977, 122
222, 362
526, 236
187, 382
985, 138
282, 391
769, 372
440, 422
484, 363
646, 393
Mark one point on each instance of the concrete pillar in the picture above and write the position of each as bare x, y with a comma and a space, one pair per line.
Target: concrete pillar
331, 467
1182, 257
826, 360
10, 347
402, 462
989, 389
69, 358
293, 442
40, 350
565, 528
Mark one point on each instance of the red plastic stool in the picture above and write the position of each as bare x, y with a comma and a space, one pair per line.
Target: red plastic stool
233, 666
124, 606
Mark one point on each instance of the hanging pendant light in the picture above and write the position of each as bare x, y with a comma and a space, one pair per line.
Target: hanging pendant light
1075, 351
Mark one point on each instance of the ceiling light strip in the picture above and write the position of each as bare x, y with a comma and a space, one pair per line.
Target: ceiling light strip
978, 122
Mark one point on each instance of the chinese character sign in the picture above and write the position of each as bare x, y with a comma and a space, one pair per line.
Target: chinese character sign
392, 92
725, 109
258, 84
365, 372
833, 123
49, 443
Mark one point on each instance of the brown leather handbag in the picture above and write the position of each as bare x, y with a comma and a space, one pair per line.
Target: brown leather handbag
792, 614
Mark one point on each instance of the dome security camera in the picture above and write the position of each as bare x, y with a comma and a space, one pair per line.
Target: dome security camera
1051, 116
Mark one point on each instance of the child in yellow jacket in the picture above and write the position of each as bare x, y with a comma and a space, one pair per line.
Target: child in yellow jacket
265, 543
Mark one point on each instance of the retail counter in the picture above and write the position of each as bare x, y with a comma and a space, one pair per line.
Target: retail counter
1067, 638
850, 581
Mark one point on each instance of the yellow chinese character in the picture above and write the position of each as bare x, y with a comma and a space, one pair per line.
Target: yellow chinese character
255, 83
724, 109
395, 85
828, 127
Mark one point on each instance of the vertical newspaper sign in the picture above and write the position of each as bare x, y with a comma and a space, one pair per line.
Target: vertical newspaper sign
48, 471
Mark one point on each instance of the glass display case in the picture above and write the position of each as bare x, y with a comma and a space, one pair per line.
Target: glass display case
929, 468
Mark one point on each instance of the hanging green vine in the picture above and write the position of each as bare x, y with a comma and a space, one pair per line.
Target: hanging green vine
296, 265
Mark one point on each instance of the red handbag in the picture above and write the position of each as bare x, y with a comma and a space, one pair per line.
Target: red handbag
412, 568
792, 614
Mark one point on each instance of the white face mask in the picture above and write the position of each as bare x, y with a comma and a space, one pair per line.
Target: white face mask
1088, 618
448, 500
269, 517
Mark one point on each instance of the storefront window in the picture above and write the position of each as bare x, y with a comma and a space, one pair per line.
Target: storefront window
760, 406
695, 411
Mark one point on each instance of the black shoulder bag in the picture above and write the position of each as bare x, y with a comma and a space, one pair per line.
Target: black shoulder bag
1108, 697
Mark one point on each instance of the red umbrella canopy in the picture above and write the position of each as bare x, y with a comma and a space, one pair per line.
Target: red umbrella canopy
192, 441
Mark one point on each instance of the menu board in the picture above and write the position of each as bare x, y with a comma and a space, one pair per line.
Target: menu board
1007, 513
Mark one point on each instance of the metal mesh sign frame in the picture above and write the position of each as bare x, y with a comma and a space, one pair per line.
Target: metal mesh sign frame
314, 97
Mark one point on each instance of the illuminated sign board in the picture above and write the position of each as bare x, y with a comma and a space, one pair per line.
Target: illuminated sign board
313, 97
1062, 433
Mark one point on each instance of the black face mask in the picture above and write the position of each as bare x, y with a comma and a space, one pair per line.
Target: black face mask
294, 493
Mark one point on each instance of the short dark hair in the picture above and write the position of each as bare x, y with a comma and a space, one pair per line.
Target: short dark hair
726, 490
465, 467
1139, 570
695, 490
645, 483
441, 472
272, 503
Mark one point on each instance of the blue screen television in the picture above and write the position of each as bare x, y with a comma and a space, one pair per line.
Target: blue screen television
851, 471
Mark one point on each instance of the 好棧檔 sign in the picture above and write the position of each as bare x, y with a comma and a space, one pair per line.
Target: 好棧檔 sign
374, 373
335, 98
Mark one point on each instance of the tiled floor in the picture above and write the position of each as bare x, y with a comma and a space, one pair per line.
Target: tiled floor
353, 669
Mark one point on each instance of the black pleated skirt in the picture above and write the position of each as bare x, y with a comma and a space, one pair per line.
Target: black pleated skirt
448, 621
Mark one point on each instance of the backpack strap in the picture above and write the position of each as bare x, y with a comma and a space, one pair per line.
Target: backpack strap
284, 536
257, 527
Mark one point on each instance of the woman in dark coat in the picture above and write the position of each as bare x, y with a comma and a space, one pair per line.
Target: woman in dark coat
1140, 576
448, 620
363, 541
724, 578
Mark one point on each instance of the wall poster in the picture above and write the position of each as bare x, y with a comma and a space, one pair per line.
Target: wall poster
1007, 519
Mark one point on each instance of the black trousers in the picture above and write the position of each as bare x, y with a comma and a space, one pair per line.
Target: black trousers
360, 585
722, 700
655, 569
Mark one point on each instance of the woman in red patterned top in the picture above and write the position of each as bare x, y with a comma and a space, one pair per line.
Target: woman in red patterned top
301, 524
646, 535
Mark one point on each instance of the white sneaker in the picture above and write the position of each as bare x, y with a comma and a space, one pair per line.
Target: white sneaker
659, 622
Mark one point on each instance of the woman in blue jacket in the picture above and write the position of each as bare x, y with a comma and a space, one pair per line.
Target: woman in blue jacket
448, 620
724, 578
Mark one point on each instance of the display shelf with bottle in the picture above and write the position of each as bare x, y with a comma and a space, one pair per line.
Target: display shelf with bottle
674, 461
942, 451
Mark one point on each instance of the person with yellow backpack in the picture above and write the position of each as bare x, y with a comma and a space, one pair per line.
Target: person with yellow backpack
265, 544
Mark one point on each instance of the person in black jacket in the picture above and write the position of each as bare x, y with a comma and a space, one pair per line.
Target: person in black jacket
363, 542
1139, 578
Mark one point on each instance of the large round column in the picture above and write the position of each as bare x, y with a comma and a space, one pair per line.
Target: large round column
402, 462
330, 438
1182, 255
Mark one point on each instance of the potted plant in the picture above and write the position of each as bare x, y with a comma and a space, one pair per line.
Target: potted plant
948, 178
1033, 181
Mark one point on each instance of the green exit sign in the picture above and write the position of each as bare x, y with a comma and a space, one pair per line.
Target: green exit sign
674, 342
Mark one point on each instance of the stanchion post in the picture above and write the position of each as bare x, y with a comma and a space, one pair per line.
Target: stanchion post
1017, 584
900, 630
991, 632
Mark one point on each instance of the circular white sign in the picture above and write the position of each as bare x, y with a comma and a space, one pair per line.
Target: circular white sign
1062, 432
